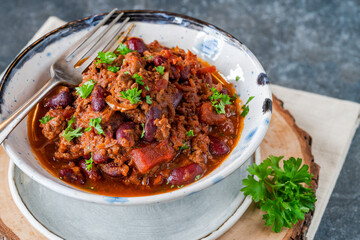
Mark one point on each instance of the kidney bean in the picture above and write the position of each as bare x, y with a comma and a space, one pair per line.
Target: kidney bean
217, 147
99, 158
185, 72
183, 175
152, 114
177, 98
158, 60
114, 170
125, 134
224, 91
61, 100
137, 44
93, 173
98, 99
69, 175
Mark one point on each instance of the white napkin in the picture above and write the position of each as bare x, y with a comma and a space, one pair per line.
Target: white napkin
331, 123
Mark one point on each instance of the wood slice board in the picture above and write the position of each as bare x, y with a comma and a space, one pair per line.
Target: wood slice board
283, 138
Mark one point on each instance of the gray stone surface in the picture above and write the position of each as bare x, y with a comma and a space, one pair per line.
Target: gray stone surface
308, 45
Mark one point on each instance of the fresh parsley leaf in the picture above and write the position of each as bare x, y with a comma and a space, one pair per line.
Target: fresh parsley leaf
147, 88
172, 186
245, 107
89, 163
219, 100
85, 90
138, 79
45, 119
95, 123
183, 147
143, 131
123, 49
237, 78
160, 69
126, 72
113, 69
190, 133
133, 95
280, 192
148, 99
197, 177
150, 57
106, 58
69, 133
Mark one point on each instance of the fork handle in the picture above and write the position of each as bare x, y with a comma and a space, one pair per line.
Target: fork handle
9, 124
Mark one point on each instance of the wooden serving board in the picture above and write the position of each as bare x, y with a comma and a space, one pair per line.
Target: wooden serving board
283, 138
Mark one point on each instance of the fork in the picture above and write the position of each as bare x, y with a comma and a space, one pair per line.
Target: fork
65, 69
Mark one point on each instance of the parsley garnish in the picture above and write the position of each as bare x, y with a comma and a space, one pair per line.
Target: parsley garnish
150, 57
172, 186
147, 88
143, 131
138, 79
237, 78
148, 99
180, 186
219, 100
133, 95
107, 57
160, 69
123, 49
70, 133
113, 69
95, 123
190, 133
245, 107
126, 72
197, 177
85, 90
280, 192
89, 163
184, 146
45, 119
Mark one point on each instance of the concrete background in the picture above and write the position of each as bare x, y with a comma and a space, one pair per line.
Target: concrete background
308, 45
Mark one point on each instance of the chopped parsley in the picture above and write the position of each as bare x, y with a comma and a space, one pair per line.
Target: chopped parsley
138, 79
95, 123
172, 186
133, 95
89, 163
85, 90
126, 72
237, 78
113, 69
123, 49
197, 177
69, 133
143, 131
184, 146
190, 133
148, 99
245, 107
147, 88
219, 100
160, 69
45, 119
180, 186
150, 57
106, 58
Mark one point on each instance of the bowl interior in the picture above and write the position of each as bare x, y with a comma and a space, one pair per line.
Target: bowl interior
30, 70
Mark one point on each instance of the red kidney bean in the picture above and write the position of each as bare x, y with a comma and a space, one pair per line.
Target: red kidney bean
158, 60
61, 100
114, 170
177, 98
69, 175
98, 99
93, 173
217, 147
124, 134
137, 44
152, 114
185, 73
99, 158
183, 175
224, 91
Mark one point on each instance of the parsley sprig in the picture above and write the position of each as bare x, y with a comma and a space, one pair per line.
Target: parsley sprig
138, 79
95, 123
143, 131
70, 133
133, 95
184, 146
160, 69
85, 90
45, 119
89, 163
190, 133
106, 57
245, 107
219, 100
113, 69
148, 99
280, 192
123, 49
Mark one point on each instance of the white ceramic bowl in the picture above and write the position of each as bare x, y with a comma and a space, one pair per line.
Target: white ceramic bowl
30, 70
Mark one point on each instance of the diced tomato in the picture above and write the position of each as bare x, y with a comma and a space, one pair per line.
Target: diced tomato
151, 155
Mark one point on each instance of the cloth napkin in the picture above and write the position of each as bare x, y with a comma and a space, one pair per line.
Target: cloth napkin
331, 123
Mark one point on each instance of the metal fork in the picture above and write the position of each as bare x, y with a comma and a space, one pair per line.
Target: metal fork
64, 70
